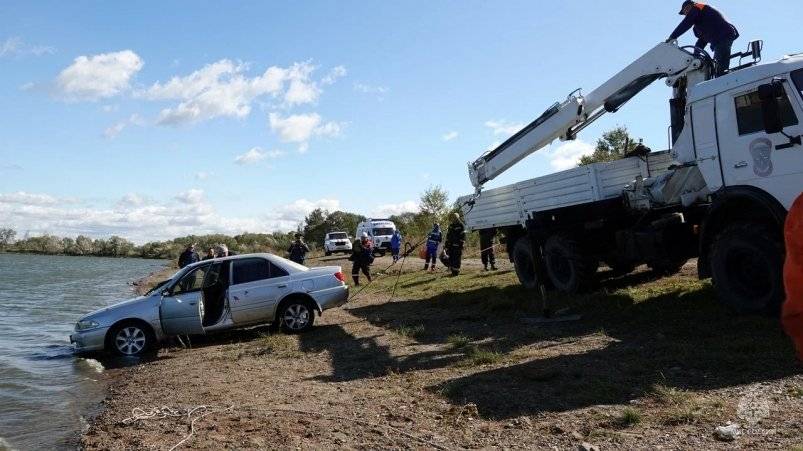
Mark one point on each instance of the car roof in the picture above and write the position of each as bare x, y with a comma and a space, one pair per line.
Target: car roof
271, 257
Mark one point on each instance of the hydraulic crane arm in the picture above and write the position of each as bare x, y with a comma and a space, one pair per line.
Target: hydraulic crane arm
564, 120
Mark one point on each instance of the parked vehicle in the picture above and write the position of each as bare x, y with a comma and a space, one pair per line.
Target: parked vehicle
721, 192
336, 242
380, 231
211, 296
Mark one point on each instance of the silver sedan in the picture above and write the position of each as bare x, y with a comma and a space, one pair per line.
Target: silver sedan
215, 295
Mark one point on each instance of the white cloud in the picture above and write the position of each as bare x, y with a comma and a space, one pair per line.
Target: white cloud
16, 46
98, 76
450, 136
113, 130
386, 210
300, 128
504, 127
141, 219
370, 89
223, 89
567, 155
255, 155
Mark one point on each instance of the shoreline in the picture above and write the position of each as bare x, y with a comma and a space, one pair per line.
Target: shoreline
382, 373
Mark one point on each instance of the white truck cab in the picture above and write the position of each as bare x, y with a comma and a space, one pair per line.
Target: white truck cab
380, 231
336, 242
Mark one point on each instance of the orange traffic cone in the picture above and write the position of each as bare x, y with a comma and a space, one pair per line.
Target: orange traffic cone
792, 316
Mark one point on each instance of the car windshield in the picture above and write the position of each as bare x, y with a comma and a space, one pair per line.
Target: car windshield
337, 236
383, 231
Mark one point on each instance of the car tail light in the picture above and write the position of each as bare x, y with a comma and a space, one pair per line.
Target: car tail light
339, 276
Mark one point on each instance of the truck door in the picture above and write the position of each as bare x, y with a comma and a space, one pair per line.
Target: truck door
749, 155
182, 309
706, 146
254, 291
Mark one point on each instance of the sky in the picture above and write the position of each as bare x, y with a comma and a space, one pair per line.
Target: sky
153, 120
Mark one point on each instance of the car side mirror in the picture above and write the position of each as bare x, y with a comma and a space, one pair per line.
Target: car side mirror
770, 108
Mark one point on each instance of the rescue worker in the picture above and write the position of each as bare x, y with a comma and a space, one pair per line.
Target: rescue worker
792, 316
189, 256
433, 241
487, 254
453, 247
395, 245
362, 256
298, 250
711, 27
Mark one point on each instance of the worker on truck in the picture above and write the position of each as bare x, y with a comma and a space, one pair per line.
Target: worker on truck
710, 27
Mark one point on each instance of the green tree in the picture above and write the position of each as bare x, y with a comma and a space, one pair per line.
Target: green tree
612, 146
6, 237
435, 203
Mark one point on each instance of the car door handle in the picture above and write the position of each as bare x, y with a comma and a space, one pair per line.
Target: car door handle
236, 298
741, 164
245, 293
281, 286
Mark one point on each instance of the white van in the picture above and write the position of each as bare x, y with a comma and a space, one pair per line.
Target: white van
380, 231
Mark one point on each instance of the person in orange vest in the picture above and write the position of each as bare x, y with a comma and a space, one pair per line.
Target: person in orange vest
792, 316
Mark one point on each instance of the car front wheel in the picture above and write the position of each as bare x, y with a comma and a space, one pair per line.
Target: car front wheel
130, 340
297, 316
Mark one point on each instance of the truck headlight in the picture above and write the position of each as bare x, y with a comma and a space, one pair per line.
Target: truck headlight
85, 324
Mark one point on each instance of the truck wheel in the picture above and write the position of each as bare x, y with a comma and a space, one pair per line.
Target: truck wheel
747, 268
524, 263
569, 270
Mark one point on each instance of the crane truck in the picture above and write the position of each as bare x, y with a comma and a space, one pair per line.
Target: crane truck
720, 193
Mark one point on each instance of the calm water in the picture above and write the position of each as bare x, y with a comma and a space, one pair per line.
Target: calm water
45, 390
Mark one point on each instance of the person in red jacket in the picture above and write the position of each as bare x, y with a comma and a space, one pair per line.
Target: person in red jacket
792, 315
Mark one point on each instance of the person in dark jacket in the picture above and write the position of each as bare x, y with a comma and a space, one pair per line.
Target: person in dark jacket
362, 256
298, 250
453, 247
487, 248
710, 27
433, 241
210, 254
188, 257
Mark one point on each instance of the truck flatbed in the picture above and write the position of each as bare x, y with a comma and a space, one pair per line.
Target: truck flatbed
510, 205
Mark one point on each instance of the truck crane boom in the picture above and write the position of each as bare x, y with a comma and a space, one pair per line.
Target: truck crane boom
565, 119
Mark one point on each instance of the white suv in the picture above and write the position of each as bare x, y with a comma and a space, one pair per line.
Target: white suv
336, 242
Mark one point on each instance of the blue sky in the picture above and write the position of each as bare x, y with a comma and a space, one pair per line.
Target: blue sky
130, 118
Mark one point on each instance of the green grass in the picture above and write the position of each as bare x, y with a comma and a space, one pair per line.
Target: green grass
796, 392
406, 331
630, 417
279, 345
458, 341
476, 356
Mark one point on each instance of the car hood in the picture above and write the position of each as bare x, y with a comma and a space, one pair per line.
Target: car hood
116, 305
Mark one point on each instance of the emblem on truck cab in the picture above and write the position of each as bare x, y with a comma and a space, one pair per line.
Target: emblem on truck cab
761, 151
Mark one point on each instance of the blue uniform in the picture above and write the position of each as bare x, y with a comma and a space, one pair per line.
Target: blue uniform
395, 244
433, 240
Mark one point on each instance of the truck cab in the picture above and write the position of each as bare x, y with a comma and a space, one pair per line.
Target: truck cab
380, 231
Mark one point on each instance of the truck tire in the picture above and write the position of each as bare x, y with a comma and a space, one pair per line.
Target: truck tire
569, 269
524, 263
747, 268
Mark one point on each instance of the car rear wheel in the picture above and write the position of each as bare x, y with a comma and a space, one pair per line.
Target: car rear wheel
130, 339
297, 316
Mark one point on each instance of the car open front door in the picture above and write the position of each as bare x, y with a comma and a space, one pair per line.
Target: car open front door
182, 307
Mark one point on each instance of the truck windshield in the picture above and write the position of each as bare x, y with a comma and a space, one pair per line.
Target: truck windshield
337, 236
383, 231
797, 77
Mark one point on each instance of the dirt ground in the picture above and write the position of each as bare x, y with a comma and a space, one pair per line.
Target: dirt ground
464, 362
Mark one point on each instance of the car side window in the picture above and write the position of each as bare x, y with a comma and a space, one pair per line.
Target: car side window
748, 113
277, 271
249, 270
193, 281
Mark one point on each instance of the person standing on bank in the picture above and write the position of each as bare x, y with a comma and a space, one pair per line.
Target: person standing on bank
455, 240
189, 256
710, 27
487, 254
395, 245
433, 241
298, 250
361, 257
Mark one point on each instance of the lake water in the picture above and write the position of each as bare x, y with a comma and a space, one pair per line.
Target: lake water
46, 391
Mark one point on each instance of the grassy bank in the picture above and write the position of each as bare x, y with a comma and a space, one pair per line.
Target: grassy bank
458, 362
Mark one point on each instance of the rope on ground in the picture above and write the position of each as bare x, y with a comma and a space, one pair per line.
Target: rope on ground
160, 413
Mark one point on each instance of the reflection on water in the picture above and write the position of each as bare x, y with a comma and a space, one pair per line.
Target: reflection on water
44, 389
